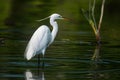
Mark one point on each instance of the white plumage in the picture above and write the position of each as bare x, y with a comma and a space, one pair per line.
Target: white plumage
38, 42
42, 38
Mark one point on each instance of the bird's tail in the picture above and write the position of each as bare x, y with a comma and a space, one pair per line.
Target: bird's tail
28, 54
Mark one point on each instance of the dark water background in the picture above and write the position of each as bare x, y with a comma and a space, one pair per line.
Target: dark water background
69, 57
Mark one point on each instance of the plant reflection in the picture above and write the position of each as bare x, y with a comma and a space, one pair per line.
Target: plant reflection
96, 65
96, 55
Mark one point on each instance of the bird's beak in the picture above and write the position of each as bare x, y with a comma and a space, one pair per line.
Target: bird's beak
64, 18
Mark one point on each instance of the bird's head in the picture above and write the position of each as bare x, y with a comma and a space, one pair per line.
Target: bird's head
56, 16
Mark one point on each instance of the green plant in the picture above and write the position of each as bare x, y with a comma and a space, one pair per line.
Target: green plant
90, 16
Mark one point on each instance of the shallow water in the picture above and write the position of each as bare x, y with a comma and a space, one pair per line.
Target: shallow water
64, 60
73, 55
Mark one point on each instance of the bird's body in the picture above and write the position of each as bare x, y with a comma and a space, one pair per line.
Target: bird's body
42, 38
38, 42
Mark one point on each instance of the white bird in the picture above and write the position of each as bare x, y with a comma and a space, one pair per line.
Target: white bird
42, 38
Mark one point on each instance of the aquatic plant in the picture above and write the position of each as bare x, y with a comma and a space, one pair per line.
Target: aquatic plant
90, 16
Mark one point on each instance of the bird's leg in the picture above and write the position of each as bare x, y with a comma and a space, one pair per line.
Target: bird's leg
38, 61
38, 64
43, 62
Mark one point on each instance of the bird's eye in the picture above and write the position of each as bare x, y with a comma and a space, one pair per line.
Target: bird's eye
60, 16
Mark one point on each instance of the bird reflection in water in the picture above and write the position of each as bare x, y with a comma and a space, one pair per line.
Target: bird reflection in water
38, 75
31, 76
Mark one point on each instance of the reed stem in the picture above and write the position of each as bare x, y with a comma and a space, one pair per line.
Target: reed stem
101, 16
91, 19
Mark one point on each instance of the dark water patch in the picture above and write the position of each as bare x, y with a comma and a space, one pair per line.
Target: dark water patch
11, 76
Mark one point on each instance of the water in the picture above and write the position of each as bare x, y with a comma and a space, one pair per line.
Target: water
64, 60
73, 55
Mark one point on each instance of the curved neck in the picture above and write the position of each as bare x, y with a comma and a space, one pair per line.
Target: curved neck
55, 28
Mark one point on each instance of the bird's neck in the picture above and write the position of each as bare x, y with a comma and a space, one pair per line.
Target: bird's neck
55, 28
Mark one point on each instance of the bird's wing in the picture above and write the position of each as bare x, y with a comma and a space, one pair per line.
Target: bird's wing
38, 42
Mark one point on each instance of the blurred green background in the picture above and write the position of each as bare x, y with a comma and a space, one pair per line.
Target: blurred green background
17, 16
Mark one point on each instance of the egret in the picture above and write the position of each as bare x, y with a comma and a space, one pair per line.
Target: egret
42, 38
